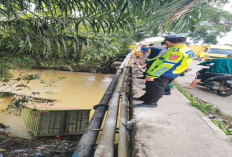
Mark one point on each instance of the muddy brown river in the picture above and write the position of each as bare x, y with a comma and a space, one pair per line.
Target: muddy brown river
77, 89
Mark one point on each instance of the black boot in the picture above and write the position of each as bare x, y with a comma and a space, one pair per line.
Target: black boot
167, 93
139, 98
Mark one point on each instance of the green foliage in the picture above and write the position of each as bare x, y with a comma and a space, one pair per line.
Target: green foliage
17, 104
72, 34
54, 45
5, 94
65, 30
16, 84
48, 34
224, 124
221, 124
101, 14
212, 23
20, 83
168, 16
2, 126
203, 107
4, 72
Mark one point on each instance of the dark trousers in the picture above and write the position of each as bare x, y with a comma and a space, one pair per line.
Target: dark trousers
155, 89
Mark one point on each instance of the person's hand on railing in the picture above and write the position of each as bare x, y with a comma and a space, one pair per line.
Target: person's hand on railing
141, 62
149, 79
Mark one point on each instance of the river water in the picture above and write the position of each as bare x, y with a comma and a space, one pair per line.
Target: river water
77, 89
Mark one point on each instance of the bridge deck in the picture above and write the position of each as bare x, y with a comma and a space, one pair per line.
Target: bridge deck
175, 129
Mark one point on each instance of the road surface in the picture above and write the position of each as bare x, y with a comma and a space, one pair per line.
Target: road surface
224, 104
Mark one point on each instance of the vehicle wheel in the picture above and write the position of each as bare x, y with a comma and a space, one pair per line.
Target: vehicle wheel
226, 92
183, 73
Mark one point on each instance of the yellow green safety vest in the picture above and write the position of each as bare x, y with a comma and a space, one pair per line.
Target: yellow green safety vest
172, 63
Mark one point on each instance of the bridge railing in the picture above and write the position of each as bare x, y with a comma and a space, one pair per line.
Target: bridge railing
85, 147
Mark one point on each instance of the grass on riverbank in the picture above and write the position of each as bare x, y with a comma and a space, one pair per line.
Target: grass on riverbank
224, 122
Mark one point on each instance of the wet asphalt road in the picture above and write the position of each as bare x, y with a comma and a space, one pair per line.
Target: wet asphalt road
224, 104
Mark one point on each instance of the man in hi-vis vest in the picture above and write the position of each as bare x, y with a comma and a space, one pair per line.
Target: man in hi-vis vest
165, 69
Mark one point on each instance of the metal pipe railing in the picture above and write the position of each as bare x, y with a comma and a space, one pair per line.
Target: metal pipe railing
87, 142
123, 133
105, 147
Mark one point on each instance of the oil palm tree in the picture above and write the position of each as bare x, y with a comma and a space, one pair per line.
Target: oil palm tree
66, 28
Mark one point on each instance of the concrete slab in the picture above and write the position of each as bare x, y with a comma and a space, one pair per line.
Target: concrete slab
175, 129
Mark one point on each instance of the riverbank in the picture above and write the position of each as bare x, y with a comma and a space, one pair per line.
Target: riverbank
104, 66
49, 146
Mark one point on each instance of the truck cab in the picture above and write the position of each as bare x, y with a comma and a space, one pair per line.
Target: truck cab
208, 52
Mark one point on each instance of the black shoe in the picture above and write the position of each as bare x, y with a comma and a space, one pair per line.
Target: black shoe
138, 99
143, 77
167, 93
144, 105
